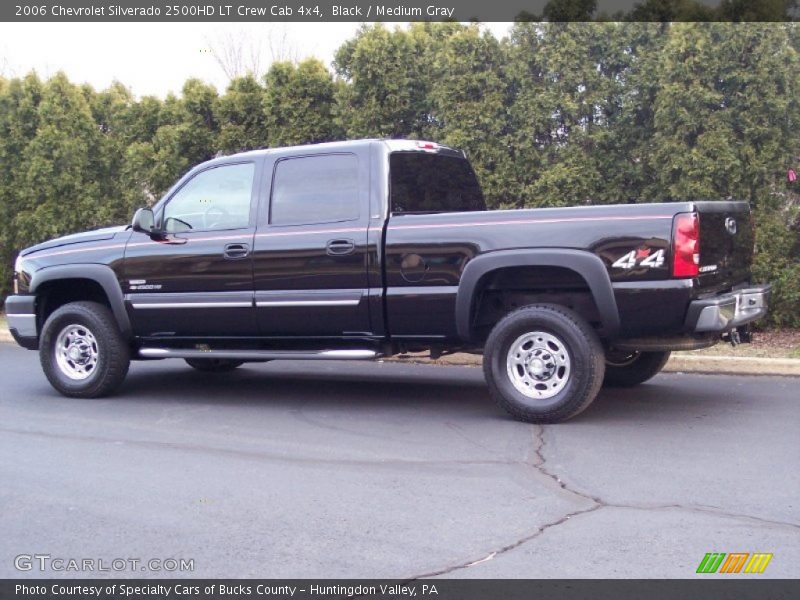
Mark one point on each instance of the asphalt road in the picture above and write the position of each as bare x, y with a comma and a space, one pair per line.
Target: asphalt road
393, 470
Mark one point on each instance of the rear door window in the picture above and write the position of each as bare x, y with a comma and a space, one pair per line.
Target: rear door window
315, 189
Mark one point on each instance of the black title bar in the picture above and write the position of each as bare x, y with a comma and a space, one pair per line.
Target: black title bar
425, 589
397, 10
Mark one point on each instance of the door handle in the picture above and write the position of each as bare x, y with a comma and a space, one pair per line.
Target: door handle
340, 247
236, 251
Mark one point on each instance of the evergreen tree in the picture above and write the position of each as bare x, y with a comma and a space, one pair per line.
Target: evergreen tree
241, 118
58, 189
387, 80
299, 104
19, 119
469, 105
726, 112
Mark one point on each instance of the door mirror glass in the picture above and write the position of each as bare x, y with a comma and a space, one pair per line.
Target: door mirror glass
143, 221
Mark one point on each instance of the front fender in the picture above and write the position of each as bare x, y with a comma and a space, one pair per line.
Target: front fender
587, 265
100, 274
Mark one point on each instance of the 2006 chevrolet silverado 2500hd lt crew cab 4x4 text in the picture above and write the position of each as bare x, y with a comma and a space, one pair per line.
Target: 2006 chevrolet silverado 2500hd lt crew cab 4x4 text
362, 249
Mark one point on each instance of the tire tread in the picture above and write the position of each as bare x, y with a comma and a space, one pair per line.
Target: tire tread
596, 365
100, 320
646, 366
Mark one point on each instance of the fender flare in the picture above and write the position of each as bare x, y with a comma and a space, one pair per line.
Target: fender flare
585, 264
100, 274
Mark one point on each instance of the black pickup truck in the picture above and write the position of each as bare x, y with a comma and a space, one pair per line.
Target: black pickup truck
362, 249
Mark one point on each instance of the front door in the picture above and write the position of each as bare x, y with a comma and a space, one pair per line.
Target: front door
311, 251
197, 279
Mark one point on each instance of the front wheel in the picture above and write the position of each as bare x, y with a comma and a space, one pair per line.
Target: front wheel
543, 363
630, 368
82, 351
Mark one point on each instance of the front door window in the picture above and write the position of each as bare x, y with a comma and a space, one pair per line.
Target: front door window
212, 200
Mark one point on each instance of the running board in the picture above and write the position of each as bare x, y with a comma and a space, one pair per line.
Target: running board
353, 354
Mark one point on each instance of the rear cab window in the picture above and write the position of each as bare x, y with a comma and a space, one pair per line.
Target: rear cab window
422, 182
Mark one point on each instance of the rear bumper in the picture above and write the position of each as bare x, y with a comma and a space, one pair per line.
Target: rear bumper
728, 311
21, 317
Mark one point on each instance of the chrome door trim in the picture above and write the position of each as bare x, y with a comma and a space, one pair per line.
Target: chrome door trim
291, 298
149, 305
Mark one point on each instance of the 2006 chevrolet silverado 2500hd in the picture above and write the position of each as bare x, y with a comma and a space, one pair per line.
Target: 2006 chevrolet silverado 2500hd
362, 249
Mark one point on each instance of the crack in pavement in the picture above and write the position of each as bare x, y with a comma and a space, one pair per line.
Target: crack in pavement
539, 432
539, 463
708, 510
507, 548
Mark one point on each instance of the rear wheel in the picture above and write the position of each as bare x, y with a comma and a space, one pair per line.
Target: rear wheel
82, 351
543, 363
630, 368
214, 365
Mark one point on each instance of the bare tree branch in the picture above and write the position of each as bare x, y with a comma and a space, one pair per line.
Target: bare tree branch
249, 52
6, 70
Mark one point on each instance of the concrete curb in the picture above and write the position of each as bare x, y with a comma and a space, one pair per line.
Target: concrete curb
678, 363
733, 365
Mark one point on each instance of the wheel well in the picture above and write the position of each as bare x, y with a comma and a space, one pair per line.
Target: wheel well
51, 295
506, 289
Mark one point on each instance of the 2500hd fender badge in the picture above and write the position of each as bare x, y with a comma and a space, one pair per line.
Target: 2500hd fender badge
141, 284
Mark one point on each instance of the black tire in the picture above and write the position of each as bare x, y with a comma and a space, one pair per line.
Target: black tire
214, 365
627, 369
87, 377
575, 380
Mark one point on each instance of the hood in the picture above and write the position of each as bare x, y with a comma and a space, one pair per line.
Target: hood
105, 233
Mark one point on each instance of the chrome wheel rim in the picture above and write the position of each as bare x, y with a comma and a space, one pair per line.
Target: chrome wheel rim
538, 365
76, 352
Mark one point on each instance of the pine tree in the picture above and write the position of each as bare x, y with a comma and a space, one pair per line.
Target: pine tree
58, 180
239, 112
299, 104
469, 105
387, 80
19, 119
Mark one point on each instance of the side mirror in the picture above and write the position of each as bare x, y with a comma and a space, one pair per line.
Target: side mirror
143, 221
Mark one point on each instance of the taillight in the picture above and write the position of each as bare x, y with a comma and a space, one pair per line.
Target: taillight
686, 245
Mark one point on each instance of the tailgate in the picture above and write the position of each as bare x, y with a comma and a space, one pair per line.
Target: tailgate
726, 244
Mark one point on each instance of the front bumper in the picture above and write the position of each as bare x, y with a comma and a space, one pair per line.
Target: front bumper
21, 317
728, 311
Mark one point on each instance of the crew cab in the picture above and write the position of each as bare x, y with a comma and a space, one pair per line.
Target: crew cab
370, 248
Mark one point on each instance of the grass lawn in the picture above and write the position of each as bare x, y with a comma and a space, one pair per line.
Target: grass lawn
766, 344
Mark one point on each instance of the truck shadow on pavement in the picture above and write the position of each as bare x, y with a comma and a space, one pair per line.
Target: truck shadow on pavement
442, 391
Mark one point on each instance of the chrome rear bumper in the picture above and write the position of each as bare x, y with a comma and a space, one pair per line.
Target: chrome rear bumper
728, 311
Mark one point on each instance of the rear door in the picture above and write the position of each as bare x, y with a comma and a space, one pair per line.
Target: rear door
197, 281
310, 249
